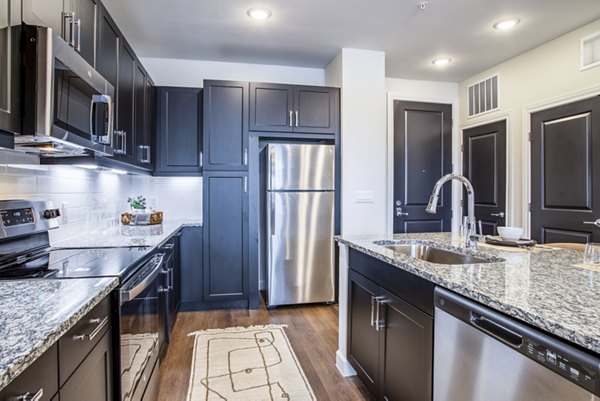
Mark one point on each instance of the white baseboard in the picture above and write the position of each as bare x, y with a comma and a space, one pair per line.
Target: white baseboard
343, 365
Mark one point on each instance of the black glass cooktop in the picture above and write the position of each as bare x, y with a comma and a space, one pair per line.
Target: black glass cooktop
77, 263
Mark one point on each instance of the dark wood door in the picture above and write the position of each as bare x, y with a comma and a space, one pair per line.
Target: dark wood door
422, 155
139, 111
271, 107
179, 131
125, 105
316, 109
92, 381
363, 339
565, 180
225, 125
107, 48
225, 248
484, 164
85, 29
406, 352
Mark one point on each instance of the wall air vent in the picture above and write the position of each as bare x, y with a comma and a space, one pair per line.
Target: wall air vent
590, 51
483, 96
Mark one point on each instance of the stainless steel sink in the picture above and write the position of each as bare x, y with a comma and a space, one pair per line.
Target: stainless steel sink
435, 255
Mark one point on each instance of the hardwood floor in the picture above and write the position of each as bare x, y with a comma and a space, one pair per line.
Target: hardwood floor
312, 331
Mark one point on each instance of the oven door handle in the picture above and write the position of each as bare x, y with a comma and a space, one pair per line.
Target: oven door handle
131, 293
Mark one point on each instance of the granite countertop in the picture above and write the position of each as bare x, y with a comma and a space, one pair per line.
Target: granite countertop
541, 287
35, 313
124, 236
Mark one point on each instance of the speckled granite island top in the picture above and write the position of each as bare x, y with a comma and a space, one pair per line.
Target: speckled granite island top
35, 313
540, 287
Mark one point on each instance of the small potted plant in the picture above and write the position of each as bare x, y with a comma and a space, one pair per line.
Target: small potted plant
137, 204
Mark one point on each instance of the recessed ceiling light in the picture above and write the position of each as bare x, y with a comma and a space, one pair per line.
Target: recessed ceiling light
506, 24
259, 13
442, 61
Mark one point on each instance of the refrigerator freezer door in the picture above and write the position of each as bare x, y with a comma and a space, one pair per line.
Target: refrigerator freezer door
300, 255
300, 167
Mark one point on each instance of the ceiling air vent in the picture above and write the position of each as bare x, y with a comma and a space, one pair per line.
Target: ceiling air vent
590, 51
483, 96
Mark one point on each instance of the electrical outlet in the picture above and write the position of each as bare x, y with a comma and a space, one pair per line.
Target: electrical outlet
363, 196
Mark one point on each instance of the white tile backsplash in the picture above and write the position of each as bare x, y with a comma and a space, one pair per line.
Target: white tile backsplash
95, 199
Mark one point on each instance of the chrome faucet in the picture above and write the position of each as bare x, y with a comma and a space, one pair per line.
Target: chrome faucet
433, 200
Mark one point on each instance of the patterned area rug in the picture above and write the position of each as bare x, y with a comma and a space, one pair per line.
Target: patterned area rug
254, 363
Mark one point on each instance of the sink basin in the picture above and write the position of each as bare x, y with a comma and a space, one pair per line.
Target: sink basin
435, 255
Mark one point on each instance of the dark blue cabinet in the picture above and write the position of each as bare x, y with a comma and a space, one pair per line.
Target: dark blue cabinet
179, 131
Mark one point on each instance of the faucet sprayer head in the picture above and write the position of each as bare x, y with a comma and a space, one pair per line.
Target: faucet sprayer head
432, 205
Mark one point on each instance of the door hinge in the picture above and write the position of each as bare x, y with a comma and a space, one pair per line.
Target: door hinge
462, 148
530, 136
529, 206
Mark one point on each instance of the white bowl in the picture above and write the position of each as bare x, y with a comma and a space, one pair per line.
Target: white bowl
510, 233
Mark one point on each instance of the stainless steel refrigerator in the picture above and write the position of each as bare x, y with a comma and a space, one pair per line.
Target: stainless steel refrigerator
297, 236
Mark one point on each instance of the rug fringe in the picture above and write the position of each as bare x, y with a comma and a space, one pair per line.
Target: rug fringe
237, 329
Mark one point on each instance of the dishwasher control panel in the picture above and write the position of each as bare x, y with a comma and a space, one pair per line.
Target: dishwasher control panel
574, 371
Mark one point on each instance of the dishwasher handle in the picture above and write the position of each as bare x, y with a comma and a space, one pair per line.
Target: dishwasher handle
496, 330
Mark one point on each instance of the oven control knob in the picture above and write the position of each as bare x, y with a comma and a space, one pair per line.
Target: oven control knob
51, 213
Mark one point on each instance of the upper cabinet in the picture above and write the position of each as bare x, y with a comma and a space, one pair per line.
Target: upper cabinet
107, 47
226, 125
73, 20
10, 94
293, 108
179, 131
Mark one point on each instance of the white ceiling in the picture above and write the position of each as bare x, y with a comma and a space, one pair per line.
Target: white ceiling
309, 33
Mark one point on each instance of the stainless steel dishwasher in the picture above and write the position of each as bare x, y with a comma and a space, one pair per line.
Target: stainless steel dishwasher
483, 355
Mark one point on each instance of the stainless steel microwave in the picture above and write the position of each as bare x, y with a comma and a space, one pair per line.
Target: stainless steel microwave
67, 105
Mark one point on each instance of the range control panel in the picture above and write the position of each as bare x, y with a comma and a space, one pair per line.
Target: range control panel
560, 364
15, 217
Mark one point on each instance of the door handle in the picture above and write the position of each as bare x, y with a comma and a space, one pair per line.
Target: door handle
296, 118
399, 212
501, 215
596, 223
291, 118
379, 323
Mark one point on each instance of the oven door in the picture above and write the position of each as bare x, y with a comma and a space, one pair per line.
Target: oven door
139, 330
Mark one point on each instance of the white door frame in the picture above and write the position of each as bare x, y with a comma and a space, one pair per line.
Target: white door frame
456, 190
528, 110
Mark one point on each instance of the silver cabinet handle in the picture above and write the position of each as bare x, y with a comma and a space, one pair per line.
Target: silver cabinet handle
29, 396
245, 156
119, 143
501, 215
90, 337
296, 118
68, 18
78, 47
245, 184
375, 302
596, 223
201, 161
291, 118
372, 311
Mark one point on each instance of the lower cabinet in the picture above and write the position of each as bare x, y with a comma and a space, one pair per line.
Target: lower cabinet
190, 261
390, 341
78, 367
225, 245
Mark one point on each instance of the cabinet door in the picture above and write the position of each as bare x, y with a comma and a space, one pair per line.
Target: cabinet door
225, 125
363, 338
225, 236
47, 13
85, 28
149, 116
407, 352
190, 252
92, 381
271, 107
179, 131
139, 111
316, 109
125, 105
107, 49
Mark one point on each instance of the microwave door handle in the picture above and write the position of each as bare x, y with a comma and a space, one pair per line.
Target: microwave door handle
110, 121
92, 106
131, 293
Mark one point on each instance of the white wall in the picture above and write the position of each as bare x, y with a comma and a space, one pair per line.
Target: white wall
179, 72
544, 76
361, 75
95, 199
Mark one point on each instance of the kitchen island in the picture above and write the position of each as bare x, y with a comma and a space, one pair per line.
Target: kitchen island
542, 287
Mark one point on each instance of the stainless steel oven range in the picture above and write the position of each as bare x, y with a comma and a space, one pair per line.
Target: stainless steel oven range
138, 312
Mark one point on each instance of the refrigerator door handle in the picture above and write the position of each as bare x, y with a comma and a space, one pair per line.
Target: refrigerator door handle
272, 216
